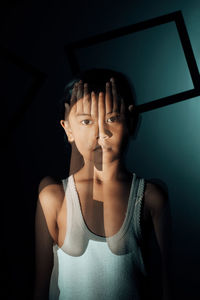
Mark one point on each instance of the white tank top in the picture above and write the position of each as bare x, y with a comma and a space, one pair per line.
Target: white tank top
89, 266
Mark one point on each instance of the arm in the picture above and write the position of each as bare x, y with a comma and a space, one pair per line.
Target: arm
158, 207
45, 235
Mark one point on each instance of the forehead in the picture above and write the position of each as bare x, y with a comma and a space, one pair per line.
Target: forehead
95, 106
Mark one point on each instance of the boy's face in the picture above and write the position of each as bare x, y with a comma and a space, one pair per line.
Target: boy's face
97, 124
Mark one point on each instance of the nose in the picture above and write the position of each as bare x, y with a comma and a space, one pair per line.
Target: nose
103, 133
105, 136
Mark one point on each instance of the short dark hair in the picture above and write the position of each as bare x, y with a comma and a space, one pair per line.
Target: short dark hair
96, 79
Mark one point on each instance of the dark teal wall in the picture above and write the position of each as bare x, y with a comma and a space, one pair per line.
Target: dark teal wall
167, 147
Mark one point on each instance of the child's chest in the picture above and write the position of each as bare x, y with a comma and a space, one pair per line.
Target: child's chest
104, 207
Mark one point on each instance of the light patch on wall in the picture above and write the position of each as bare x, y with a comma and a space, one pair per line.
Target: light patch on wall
153, 59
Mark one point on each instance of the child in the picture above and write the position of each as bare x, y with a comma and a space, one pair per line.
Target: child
92, 227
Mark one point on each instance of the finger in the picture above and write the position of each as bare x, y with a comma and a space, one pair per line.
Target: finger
74, 94
108, 98
131, 108
101, 111
122, 107
79, 104
94, 106
86, 99
115, 107
80, 90
85, 89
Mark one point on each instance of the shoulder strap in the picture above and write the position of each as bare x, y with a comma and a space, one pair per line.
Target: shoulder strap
137, 208
65, 183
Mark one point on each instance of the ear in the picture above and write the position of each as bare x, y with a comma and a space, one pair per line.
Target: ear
66, 126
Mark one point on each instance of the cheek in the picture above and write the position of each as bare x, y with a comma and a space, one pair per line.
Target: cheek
85, 138
120, 132
121, 139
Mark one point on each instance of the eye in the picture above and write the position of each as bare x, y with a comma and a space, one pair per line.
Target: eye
113, 119
86, 122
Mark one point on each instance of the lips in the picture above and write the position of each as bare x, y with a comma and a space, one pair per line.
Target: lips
104, 148
98, 148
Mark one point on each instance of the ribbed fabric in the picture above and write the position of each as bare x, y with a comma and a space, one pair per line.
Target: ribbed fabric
89, 266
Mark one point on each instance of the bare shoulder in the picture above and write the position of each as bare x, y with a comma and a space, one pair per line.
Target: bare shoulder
155, 198
50, 199
51, 191
50, 196
50, 183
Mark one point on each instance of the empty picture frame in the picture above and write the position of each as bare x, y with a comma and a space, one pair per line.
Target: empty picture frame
156, 55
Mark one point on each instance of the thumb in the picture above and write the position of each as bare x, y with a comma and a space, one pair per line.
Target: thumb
131, 108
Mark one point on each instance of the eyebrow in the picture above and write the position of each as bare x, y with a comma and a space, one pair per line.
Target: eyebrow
82, 114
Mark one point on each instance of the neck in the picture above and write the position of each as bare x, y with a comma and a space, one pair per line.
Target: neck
110, 171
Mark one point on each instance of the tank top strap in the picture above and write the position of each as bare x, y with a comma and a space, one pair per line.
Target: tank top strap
133, 210
65, 182
138, 208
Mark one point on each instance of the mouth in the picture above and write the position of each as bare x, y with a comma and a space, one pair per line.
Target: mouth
98, 148
102, 148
